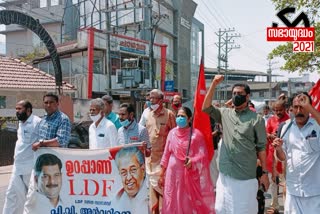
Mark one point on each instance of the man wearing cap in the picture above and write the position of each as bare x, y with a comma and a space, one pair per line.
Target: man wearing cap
113, 117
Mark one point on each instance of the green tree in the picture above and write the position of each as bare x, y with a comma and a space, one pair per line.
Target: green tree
300, 62
36, 53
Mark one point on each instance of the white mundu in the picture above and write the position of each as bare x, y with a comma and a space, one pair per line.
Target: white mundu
23, 163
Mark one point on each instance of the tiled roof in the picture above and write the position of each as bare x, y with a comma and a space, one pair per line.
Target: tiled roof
15, 74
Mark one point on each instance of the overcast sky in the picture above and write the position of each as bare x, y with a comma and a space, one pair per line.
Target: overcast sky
250, 18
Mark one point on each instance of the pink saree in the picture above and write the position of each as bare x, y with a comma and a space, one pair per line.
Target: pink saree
187, 190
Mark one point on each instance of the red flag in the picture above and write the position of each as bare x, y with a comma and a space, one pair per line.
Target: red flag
315, 94
201, 120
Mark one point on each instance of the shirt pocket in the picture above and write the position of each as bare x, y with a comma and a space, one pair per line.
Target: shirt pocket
314, 144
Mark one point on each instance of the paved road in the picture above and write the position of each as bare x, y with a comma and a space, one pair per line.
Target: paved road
5, 173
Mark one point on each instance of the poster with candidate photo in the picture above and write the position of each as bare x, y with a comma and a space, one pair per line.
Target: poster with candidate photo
70, 181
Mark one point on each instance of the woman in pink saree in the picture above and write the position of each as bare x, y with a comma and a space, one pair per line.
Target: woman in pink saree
187, 184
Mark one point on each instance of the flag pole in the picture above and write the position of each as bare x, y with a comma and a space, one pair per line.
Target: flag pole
189, 143
191, 128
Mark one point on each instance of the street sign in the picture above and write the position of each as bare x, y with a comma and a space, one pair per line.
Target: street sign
169, 85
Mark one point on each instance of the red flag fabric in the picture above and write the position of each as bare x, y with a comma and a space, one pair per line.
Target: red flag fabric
201, 120
315, 94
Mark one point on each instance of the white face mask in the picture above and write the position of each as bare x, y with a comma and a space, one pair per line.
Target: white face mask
95, 118
154, 107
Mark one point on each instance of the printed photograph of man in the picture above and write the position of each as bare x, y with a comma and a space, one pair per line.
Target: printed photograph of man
134, 194
48, 182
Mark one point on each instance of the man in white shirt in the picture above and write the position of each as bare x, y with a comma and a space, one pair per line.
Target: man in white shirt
102, 132
133, 196
23, 159
299, 147
146, 111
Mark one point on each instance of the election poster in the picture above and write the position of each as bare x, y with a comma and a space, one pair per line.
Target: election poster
77, 181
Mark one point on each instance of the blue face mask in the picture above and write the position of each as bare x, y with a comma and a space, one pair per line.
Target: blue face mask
148, 102
181, 122
124, 123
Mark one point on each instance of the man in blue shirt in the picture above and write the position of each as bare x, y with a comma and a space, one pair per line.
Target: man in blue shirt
131, 131
55, 128
299, 146
113, 117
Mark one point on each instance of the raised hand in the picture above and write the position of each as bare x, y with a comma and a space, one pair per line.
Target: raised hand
303, 100
218, 79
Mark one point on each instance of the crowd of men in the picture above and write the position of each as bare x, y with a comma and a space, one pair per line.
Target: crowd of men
285, 145
107, 130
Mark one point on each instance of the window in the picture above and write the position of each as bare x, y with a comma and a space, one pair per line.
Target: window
3, 102
97, 66
54, 2
261, 93
43, 3
35, 3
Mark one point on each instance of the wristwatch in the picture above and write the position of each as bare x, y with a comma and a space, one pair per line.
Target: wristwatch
265, 172
41, 142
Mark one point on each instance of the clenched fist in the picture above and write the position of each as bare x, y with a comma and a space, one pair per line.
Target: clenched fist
218, 79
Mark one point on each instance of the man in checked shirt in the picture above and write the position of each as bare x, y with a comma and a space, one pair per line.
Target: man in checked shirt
55, 128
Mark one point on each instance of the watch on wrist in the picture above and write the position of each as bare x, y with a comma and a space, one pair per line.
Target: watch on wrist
265, 172
41, 142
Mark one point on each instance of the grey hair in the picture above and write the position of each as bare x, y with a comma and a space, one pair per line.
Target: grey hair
158, 92
129, 152
97, 102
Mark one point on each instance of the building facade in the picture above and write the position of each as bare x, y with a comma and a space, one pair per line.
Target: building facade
169, 23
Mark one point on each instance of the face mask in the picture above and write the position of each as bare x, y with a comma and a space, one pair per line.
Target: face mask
181, 122
95, 118
148, 103
238, 100
22, 116
125, 123
176, 106
154, 107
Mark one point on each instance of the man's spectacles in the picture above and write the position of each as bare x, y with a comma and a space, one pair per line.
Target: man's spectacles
132, 171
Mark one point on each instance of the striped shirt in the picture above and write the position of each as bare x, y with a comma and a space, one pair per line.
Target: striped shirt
56, 125
133, 133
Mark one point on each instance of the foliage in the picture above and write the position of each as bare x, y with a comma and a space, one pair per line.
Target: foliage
311, 7
300, 62
36, 53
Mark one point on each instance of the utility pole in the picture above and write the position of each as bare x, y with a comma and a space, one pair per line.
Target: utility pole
225, 44
108, 51
151, 54
154, 24
220, 34
269, 72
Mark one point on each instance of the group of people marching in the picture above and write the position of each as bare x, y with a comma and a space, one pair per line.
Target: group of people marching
284, 147
286, 144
